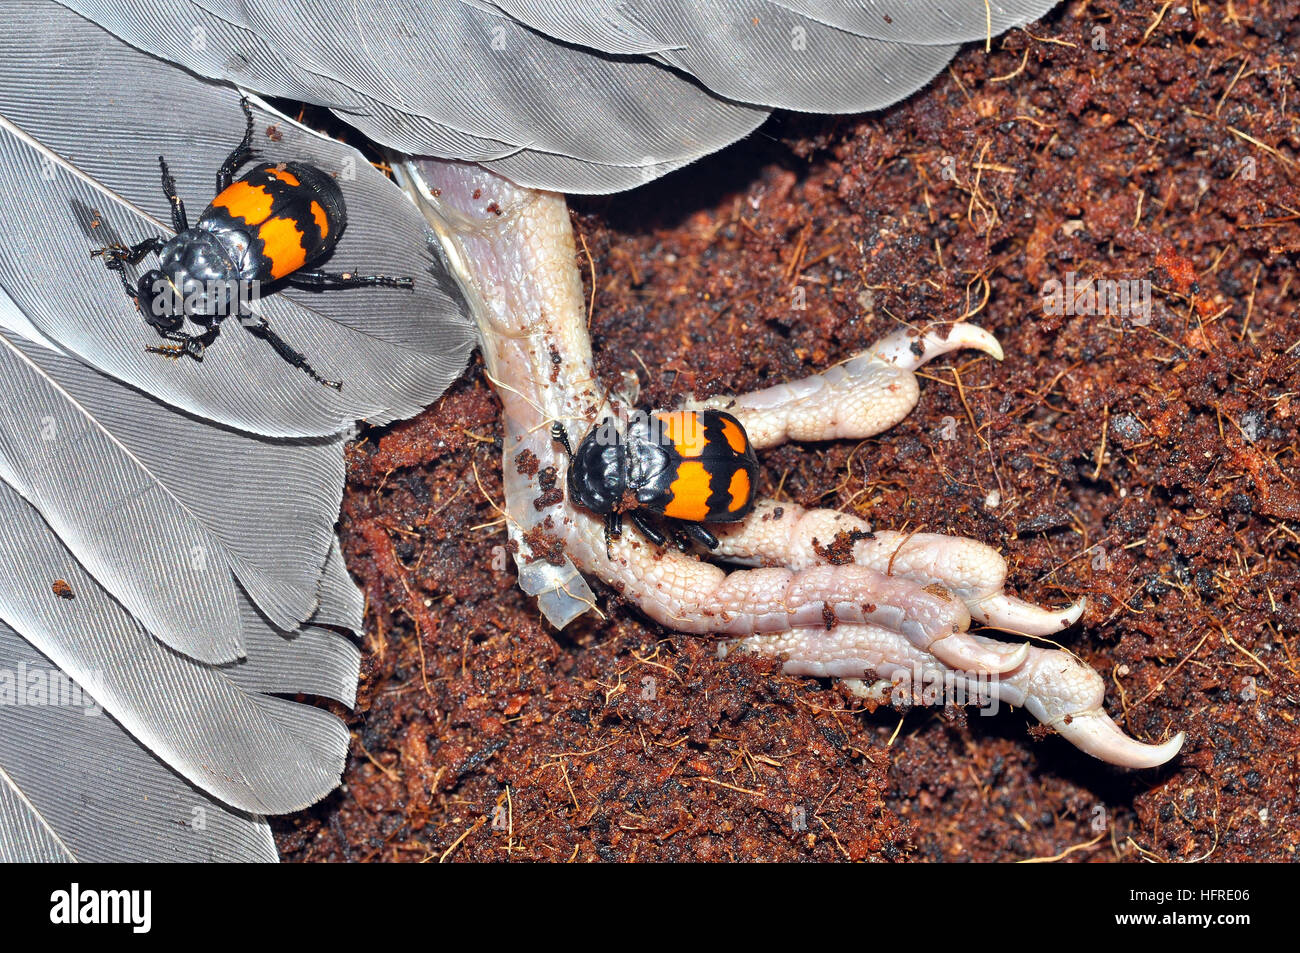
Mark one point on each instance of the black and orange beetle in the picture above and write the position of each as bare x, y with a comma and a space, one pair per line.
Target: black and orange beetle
682, 468
264, 229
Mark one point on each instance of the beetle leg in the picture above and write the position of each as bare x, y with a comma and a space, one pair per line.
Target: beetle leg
184, 345
116, 257
240, 154
258, 327
613, 531
180, 222
325, 280
697, 532
647, 528
126, 285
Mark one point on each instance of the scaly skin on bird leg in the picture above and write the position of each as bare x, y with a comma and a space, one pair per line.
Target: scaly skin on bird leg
900, 608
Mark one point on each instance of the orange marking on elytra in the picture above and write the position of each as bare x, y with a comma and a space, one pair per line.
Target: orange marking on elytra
690, 493
322, 222
685, 430
735, 436
286, 177
740, 489
252, 203
282, 244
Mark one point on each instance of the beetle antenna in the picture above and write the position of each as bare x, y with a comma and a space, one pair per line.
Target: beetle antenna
559, 433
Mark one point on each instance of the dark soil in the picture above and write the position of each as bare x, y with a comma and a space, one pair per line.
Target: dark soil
1148, 464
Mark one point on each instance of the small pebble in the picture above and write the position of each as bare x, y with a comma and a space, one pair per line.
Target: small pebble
1252, 424
1126, 427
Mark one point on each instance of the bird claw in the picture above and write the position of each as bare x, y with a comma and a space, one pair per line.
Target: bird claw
910, 351
969, 656
1096, 733
1001, 611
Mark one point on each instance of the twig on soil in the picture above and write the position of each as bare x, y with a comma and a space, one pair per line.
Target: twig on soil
456, 843
1246, 652
1101, 451
591, 265
1285, 160
1240, 69
1014, 73
894, 736
384, 769
1172, 672
834, 838
1250, 302
1063, 854
1148, 855
724, 784
1155, 23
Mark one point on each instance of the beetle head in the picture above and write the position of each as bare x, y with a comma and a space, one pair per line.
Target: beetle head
597, 472
196, 281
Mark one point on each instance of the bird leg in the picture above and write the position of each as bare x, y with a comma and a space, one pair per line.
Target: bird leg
900, 604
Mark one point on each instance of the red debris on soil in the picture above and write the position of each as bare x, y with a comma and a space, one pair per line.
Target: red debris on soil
1142, 456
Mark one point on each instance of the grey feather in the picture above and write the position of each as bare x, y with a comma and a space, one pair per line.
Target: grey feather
340, 602
24, 835
228, 49
203, 497
74, 785
605, 27
439, 76
643, 26
578, 96
125, 525
936, 22
232, 484
311, 661
758, 52
254, 752
563, 174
